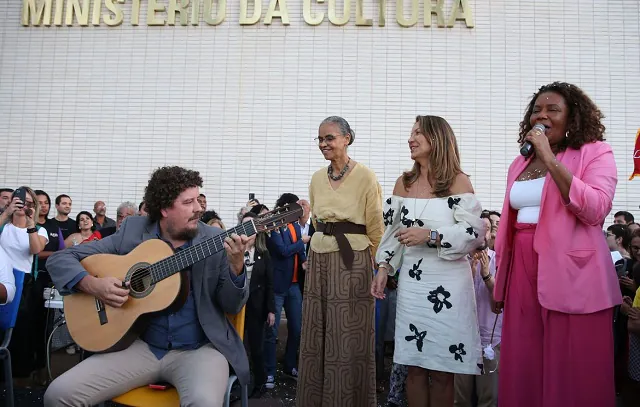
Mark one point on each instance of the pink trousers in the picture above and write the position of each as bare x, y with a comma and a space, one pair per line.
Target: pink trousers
549, 358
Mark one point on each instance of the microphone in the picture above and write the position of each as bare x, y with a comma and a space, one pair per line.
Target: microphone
527, 147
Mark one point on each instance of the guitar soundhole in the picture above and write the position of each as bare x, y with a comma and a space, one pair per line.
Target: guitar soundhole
140, 281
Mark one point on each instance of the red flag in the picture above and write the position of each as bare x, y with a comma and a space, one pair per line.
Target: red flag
636, 157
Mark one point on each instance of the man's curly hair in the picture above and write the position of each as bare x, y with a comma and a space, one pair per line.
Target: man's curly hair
584, 123
165, 185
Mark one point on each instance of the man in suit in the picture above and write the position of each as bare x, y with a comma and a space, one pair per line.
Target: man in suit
286, 247
193, 346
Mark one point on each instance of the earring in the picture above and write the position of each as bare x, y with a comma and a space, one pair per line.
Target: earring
566, 135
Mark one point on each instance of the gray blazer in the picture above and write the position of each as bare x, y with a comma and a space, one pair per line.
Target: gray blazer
214, 292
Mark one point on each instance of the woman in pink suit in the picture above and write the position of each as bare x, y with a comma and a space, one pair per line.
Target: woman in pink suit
555, 278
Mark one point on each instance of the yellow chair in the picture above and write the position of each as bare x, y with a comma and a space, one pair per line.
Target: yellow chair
146, 397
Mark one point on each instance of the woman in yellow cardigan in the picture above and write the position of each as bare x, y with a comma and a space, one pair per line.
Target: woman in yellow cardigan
337, 360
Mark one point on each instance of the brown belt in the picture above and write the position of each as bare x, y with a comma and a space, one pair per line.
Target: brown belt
338, 230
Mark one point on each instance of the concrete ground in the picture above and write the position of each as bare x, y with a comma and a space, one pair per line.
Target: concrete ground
283, 395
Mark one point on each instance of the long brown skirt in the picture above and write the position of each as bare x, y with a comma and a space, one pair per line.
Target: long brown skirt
337, 359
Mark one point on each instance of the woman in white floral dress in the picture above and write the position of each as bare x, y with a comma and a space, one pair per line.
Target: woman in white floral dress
432, 223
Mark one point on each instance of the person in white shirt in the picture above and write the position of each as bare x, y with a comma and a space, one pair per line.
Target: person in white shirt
19, 237
7, 281
21, 240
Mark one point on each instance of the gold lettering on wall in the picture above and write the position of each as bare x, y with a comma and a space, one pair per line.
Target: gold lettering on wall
57, 17
257, 12
221, 11
152, 8
282, 12
135, 12
360, 19
36, 14
430, 9
195, 12
382, 12
117, 16
346, 12
461, 11
95, 15
80, 12
400, 18
177, 7
308, 17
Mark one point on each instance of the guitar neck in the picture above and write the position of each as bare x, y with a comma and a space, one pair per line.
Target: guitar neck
188, 257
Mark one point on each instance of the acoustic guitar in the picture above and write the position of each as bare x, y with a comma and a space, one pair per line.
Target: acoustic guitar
157, 283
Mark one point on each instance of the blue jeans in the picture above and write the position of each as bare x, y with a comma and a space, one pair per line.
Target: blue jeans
292, 302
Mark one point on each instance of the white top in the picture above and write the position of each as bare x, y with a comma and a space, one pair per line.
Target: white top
6, 277
15, 242
526, 197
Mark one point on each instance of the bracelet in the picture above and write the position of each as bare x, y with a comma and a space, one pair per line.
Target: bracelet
32, 230
387, 268
486, 278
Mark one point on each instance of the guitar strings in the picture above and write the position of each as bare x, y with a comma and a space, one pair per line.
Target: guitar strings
162, 269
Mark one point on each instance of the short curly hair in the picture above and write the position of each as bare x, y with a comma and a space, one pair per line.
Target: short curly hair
165, 185
584, 121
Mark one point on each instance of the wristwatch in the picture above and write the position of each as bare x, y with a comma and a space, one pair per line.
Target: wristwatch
434, 236
32, 230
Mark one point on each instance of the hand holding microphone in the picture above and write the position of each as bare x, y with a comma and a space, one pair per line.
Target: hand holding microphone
528, 147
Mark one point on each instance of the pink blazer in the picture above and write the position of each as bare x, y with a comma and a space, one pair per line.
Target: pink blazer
575, 271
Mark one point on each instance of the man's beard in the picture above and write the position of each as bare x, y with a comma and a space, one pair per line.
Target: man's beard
184, 234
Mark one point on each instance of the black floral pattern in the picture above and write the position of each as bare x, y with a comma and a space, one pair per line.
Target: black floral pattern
453, 201
415, 272
417, 336
388, 201
404, 219
444, 244
390, 255
439, 298
408, 222
388, 217
458, 351
472, 232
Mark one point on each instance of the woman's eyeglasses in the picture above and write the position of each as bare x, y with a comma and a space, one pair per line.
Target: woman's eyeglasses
321, 140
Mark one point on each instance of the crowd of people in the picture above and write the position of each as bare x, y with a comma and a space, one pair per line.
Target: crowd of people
530, 306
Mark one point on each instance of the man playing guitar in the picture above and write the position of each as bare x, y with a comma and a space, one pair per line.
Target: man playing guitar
191, 347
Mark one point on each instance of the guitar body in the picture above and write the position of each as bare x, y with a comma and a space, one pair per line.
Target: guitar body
97, 327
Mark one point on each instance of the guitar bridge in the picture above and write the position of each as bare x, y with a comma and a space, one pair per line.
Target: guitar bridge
102, 312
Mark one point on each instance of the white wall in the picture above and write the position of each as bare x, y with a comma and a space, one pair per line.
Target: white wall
91, 111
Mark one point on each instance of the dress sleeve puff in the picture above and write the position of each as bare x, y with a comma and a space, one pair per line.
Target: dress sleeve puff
391, 250
467, 234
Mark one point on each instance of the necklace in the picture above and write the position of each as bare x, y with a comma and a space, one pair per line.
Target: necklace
533, 174
415, 200
339, 176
